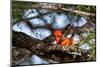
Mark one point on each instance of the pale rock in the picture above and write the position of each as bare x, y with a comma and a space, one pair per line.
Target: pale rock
34, 59
41, 33
49, 18
78, 21
76, 39
30, 13
37, 22
37, 60
61, 21
85, 47
22, 27
43, 10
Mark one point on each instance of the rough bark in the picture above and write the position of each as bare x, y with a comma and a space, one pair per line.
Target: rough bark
47, 51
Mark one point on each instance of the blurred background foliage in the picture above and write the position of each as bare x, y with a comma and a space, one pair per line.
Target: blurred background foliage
17, 8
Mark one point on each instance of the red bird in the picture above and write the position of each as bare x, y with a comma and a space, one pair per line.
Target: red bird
64, 41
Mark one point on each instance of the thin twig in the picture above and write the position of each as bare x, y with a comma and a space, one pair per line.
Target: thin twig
79, 12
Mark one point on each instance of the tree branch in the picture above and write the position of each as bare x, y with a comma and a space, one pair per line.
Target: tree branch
78, 12
44, 50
